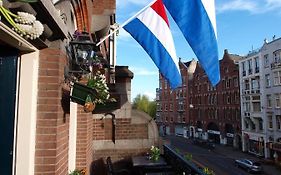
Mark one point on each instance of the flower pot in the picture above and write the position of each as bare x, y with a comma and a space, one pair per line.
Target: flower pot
80, 92
108, 106
89, 106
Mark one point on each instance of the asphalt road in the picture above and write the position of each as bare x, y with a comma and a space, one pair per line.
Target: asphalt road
221, 164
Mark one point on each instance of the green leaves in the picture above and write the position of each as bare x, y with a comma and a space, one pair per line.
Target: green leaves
142, 103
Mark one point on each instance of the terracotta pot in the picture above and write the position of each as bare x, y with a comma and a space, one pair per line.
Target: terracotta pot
89, 106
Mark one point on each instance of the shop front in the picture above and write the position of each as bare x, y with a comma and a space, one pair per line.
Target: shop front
256, 146
276, 147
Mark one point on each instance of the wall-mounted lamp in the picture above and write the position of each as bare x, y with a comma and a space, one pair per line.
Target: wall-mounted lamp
82, 49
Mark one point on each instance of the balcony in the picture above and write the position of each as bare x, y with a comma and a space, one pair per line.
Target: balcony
276, 65
250, 71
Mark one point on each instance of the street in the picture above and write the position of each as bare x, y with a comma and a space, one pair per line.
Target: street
220, 160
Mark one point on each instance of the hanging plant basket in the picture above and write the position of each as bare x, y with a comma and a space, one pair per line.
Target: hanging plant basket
108, 106
80, 92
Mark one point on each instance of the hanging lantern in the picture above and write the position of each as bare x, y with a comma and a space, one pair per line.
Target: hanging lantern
82, 50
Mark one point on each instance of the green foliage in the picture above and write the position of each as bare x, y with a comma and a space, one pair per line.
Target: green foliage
78, 172
188, 156
155, 153
142, 103
208, 171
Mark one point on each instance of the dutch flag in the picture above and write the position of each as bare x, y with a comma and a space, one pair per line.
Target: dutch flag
197, 21
151, 30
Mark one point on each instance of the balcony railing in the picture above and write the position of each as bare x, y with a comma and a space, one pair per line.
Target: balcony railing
275, 65
180, 164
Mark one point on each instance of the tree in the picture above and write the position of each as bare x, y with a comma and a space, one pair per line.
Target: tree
142, 102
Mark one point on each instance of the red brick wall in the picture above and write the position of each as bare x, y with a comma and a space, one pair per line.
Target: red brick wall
100, 5
84, 139
124, 129
51, 152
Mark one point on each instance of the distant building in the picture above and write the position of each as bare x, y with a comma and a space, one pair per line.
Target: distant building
172, 114
199, 110
260, 79
215, 111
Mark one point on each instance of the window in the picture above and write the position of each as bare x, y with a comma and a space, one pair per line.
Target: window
247, 85
276, 56
269, 101
243, 68
166, 84
266, 60
247, 106
255, 83
270, 123
235, 81
250, 67
257, 68
226, 70
227, 83
228, 99
160, 84
278, 122
172, 119
260, 124
267, 80
277, 78
166, 107
171, 106
277, 100
256, 106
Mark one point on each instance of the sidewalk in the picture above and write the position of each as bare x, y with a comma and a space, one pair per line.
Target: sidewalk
237, 154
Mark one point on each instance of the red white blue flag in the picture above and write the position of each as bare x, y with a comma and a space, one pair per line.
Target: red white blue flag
197, 21
151, 30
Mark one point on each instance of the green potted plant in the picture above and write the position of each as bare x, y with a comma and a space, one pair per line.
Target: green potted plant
154, 153
94, 92
78, 172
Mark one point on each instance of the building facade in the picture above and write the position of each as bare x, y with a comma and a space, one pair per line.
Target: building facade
172, 115
260, 100
215, 112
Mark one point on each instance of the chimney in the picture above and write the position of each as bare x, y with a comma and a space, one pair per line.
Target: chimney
273, 38
225, 51
265, 41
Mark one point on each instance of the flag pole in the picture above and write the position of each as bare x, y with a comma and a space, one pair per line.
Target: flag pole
126, 22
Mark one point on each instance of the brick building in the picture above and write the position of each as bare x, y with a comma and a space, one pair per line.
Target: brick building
40, 135
216, 110
199, 110
172, 114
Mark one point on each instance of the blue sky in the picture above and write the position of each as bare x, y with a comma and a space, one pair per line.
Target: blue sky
241, 26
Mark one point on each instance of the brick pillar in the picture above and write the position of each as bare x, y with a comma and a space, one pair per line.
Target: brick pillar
84, 139
51, 154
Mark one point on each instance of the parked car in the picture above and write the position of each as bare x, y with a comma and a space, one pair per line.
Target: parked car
204, 143
249, 165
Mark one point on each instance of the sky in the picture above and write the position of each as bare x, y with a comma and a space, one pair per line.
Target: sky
242, 25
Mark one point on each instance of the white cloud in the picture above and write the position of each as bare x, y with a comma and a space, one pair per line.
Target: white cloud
235, 5
252, 6
273, 4
142, 71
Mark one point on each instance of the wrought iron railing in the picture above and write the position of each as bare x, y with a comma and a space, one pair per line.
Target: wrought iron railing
180, 164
